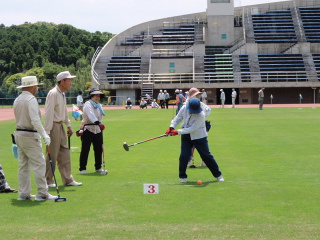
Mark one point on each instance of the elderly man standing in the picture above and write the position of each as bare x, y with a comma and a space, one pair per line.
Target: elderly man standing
222, 97
28, 138
55, 115
260, 98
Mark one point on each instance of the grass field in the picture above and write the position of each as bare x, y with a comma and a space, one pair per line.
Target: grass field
269, 159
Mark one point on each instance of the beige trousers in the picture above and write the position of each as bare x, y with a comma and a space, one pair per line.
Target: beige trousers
60, 154
30, 158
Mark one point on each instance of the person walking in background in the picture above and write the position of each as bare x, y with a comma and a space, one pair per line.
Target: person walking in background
55, 115
80, 102
4, 186
128, 104
92, 131
148, 99
204, 96
166, 98
28, 139
179, 100
161, 99
222, 97
233, 97
193, 133
260, 98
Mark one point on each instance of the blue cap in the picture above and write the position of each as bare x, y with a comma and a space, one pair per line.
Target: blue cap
194, 106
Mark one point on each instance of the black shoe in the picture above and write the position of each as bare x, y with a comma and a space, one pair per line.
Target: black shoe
10, 190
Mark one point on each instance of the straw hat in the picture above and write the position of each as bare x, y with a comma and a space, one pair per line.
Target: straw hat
29, 81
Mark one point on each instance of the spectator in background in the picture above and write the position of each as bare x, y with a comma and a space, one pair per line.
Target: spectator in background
260, 98
4, 186
148, 99
233, 97
143, 104
55, 115
161, 99
222, 97
154, 104
204, 96
166, 98
179, 100
128, 104
80, 102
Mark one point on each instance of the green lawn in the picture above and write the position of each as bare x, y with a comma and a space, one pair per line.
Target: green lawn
269, 159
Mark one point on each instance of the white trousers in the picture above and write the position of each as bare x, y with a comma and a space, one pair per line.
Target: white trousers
30, 157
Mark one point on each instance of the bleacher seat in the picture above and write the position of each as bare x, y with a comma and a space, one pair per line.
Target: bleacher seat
123, 69
282, 67
310, 17
182, 35
220, 65
274, 27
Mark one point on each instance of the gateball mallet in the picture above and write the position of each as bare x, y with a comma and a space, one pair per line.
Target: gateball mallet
104, 172
126, 146
59, 199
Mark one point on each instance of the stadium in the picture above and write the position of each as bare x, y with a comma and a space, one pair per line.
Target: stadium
274, 45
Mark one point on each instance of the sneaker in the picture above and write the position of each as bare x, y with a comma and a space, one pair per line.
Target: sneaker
74, 183
100, 170
44, 198
220, 179
83, 172
51, 185
10, 190
183, 180
203, 164
26, 197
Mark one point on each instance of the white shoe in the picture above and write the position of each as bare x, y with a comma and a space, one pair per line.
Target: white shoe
51, 185
26, 198
44, 198
220, 179
83, 172
74, 183
183, 180
100, 170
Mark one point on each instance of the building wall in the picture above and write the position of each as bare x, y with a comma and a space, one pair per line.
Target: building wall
172, 65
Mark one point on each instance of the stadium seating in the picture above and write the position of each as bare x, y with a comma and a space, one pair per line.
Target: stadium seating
274, 27
219, 67
282, 67
310, 17
182, 35
123, 69
244, 68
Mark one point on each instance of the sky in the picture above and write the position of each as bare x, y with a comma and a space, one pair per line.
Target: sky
112, 16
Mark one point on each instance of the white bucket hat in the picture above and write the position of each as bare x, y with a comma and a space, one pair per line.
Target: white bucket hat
64, 75
29, 81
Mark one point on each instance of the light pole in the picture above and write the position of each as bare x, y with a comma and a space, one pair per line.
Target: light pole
314, 97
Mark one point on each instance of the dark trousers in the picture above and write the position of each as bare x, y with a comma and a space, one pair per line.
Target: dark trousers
167, 103
203, 148
88, 138
162, 104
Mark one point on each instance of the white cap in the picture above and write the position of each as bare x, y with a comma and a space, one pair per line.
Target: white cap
64, 75
29, 81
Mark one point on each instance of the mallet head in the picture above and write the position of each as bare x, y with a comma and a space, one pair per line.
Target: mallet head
60, 199
125, 146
